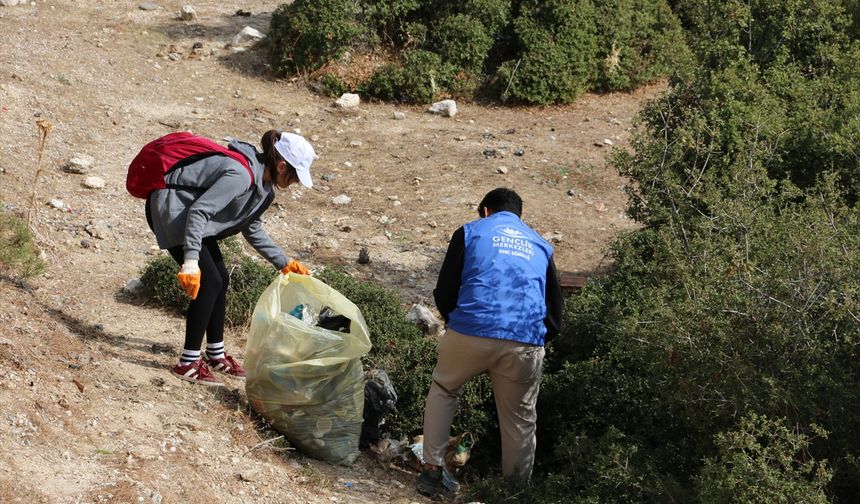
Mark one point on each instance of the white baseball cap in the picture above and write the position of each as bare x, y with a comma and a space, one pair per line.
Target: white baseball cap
299, 153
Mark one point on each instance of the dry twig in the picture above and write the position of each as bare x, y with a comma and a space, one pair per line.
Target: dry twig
45, 127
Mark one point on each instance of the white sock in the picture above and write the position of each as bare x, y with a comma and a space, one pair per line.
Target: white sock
215, 350
188, 356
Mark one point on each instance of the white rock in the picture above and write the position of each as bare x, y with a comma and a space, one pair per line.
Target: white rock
187, 13
554, 237
94, 182
57, 203
133, 286
447, 108
348, 101
80, 163
8, 3
247, 35
399, 116
342, 199
607, 141
502, 169
421, 316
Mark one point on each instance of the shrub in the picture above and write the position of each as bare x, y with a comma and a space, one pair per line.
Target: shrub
388, 17
806, 32
305, 34
462, 41
763, 461
532, 51
638, 41
419, 79
493, 14
19, 256
555, 63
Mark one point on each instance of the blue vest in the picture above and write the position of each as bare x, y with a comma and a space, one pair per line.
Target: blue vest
503, 291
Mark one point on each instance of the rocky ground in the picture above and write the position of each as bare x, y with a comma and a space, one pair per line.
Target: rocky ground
88, 410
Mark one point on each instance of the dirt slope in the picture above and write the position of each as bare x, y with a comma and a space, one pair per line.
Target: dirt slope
88, 411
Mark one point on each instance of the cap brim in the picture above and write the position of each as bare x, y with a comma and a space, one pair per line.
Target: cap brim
305, 178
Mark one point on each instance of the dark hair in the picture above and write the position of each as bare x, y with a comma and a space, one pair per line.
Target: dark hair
270, 154
501, 199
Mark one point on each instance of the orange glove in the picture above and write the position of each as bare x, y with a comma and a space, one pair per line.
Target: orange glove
295, 267
189, 278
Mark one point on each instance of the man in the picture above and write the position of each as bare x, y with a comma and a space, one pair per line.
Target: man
499, 294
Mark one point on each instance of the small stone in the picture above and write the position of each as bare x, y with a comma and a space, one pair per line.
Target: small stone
247, 35
399, 116
94, 183
421, 316
80, 164
554, 237
356, 143
607, 141
342, 199
57, 203
348, 101
502, 169
519, 152
97, 230
447, 108
133, 286
460, 138
572, 192
148, 6
187, 13
328, 177
363, 256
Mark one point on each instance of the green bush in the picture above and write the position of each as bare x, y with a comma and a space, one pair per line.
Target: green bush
19, 257
420, 78
532, 51
462, 41
763, 461
387, 18
738, 296
305, 34
638, 41
806, 32
493, 14
555, 62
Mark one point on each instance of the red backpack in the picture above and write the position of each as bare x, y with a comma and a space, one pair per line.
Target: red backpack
163, 155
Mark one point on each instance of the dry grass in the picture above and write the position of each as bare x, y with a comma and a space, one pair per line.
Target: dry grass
355, 67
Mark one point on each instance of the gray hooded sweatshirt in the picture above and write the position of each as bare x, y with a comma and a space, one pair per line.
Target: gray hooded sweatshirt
226, 204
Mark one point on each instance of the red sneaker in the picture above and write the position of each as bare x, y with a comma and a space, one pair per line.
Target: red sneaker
226, 365
196, 372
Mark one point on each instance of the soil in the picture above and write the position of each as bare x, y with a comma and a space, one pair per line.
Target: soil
90, 412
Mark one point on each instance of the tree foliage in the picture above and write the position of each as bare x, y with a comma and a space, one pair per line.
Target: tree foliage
523, 51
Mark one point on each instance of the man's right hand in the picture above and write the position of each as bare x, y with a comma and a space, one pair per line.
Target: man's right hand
189, 278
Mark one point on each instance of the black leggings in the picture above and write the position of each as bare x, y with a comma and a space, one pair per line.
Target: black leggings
206, 313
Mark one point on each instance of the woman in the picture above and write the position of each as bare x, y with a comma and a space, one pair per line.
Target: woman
209, 199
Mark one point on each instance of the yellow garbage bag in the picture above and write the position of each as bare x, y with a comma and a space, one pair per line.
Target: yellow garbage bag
305, 380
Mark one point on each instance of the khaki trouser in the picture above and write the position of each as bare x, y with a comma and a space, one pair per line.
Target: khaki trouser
515, 371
